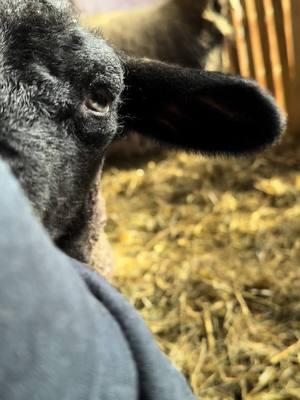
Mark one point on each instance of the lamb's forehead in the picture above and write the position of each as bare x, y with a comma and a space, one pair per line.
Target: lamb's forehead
61, 4
31, 29
19, 6
49, 29
14, 12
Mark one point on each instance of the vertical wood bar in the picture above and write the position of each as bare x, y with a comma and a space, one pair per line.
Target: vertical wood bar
288, 32
265, 42
230, 48
256, 46
275, 53
282, 48
236, 13
248, 40
294, 112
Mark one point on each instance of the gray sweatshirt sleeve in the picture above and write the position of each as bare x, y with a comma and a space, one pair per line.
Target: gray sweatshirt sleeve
65, 333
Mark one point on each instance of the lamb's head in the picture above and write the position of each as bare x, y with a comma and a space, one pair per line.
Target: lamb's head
63, 91
59, 92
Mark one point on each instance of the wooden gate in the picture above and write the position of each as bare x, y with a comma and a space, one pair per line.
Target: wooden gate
266, 47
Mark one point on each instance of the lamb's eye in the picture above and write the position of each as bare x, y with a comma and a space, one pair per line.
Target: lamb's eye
99, 102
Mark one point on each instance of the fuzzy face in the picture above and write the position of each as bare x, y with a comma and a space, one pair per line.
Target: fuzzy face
63, 91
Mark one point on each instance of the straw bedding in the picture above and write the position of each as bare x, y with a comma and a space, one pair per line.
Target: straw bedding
209, 252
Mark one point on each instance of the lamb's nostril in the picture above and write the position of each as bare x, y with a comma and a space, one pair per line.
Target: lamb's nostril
7, 152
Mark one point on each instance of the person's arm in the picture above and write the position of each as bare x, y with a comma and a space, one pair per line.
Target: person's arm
65, 333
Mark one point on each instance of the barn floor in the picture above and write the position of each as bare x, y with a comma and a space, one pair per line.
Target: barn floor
209, 252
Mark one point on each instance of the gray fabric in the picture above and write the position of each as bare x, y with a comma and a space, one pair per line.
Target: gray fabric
65, 333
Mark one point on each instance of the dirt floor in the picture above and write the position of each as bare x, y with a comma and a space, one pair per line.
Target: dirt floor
209, 252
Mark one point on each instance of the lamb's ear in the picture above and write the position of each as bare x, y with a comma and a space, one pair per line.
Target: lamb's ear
208, 112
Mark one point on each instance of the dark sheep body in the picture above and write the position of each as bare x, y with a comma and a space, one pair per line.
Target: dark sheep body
65, 94
173, 31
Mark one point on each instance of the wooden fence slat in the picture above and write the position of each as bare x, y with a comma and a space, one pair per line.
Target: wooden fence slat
283, 46
265, 42
256, 46
288, 30
294, 111
241, 47
275, 53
